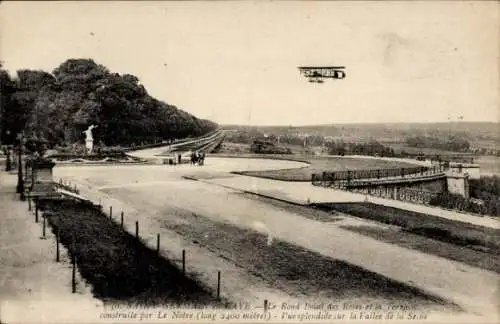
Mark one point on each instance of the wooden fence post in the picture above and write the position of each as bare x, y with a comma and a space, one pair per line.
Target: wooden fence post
137, 229
73, 275
218, 284
158, 244
121, 220
57, 243
183, 261
110, 211
73, 260
44, 221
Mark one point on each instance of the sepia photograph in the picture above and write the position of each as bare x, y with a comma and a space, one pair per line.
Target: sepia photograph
249, 162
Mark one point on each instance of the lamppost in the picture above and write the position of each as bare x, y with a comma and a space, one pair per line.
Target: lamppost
8, 162
20, 181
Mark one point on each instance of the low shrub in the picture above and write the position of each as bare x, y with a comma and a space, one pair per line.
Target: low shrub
118, 265
438, 228
490, 205
117, 154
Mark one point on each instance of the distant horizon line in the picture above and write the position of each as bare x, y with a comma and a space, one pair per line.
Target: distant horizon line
364, 123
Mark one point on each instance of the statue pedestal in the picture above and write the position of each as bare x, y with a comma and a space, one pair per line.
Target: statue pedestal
42, 180
89, 144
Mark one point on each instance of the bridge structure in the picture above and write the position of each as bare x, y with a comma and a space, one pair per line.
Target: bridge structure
415, 184
170, 153
203, 144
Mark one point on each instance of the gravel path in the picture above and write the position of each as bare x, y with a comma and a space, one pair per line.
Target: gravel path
33, 287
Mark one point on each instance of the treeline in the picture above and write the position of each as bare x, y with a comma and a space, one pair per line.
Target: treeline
338, 147
485, 194
372, 148
261, 147
55, 108
451, 143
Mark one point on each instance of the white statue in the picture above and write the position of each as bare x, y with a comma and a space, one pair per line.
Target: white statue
89, 140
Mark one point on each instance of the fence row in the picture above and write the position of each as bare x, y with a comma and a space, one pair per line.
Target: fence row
66, 186
71, 248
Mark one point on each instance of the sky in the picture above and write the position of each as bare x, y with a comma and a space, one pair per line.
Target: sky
236, 62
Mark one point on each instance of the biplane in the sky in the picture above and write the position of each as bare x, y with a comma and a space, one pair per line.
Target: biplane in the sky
318, 74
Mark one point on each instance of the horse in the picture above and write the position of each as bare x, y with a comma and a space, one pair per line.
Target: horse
193, 158
201, 159
197, 158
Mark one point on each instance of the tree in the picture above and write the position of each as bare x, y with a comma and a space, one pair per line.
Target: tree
7, 89
57, 108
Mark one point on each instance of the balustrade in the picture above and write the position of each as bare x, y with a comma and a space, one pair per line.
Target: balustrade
350, 177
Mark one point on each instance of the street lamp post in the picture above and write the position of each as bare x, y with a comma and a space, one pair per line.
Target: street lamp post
8, 162
20, 181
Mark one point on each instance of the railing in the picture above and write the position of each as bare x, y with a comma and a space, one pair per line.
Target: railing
175, 143
201, 144
341, 179
197, 141
66, 187
402, 194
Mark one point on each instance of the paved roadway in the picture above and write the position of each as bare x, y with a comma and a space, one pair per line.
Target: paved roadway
150, 188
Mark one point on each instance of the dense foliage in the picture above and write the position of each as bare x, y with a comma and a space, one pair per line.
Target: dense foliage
485, 189
56, 107
372, 148
262, 147
485, 186
452, 143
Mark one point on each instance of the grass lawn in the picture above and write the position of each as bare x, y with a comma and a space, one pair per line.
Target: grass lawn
119, 267
296, 270
462, 234
320, 164
396, 235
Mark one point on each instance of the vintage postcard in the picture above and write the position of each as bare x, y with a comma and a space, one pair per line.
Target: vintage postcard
249, 162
